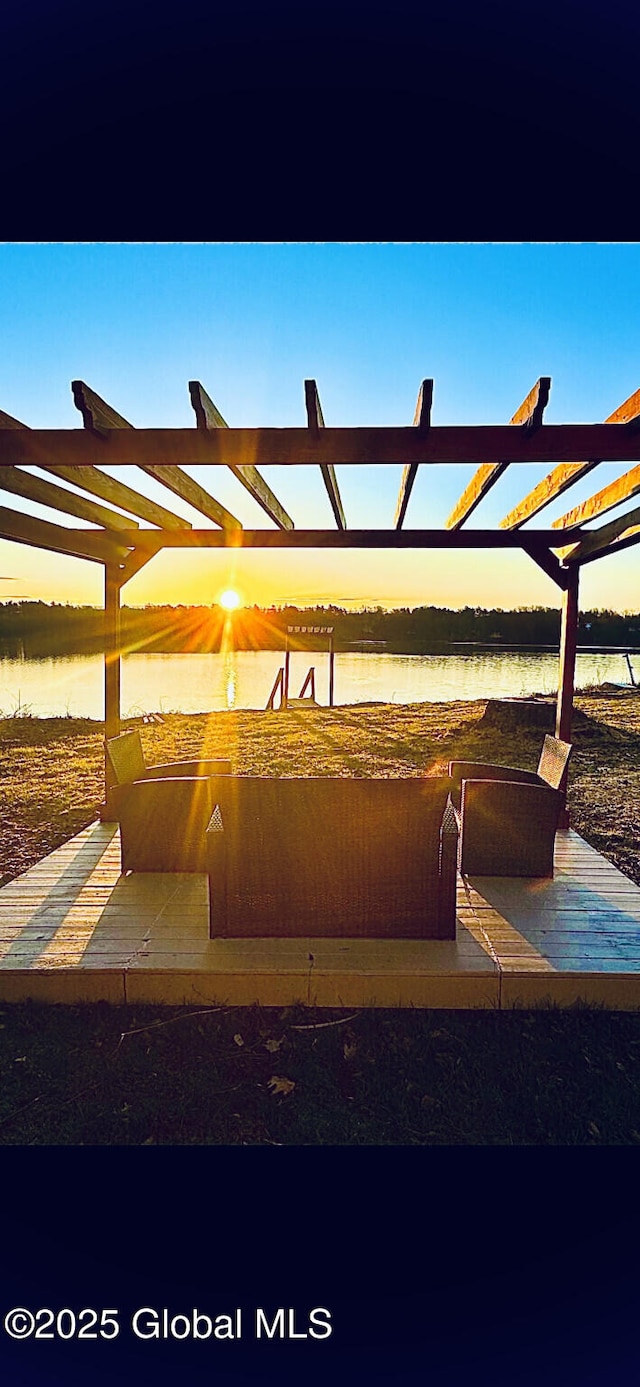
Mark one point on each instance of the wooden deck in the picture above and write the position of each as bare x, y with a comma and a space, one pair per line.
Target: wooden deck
73, 930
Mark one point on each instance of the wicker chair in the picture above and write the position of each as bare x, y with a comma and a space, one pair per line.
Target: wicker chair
508, 817
162, 810
338, 858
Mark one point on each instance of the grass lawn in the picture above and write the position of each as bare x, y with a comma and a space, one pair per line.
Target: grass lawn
133, 1076
121, 1075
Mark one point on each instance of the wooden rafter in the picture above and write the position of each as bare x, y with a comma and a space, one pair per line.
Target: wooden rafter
57, 498
613, 495
627, 540
528, 416
299, 447
42, 534
190, 490
99, 417
209, 417
99, 483
421, 421
566, 474
88, 478
315, 422
596, 543
7, 421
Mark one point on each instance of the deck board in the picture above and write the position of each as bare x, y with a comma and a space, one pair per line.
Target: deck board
72, 929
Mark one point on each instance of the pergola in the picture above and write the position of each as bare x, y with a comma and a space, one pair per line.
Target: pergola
122, 546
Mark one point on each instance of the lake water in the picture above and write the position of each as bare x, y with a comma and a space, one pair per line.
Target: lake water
203, 683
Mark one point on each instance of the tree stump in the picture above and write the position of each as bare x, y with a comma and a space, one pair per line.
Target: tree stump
517, 712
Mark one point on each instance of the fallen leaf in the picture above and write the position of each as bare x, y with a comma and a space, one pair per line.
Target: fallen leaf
272, 1046
595, 1131
350, 1049
278, 1084
238, 1039
20, 1059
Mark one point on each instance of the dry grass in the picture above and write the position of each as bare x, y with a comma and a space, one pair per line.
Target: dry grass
51, 770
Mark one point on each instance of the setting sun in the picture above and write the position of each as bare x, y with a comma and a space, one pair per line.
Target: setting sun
229, 599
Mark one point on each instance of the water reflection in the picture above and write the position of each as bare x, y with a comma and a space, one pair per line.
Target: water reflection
243, 679
230, 678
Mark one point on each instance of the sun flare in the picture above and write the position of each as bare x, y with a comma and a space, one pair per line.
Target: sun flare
229, 599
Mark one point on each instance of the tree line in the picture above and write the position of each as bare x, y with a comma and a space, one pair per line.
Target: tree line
42, 629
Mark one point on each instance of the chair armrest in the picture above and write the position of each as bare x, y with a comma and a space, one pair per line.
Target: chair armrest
508, 828
163, 823
483, 770
187, 768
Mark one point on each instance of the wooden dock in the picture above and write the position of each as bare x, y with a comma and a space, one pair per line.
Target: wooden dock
73, 930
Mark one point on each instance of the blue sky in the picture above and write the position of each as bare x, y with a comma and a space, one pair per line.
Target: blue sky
369, 321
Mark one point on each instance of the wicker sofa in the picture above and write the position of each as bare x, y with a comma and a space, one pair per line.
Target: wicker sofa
332, 857
508, 817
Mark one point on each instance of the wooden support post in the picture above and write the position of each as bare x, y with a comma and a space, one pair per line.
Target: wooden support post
287, 662
111, 661
566, 680
332, 655
277, 688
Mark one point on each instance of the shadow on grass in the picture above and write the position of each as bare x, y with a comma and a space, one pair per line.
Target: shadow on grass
136, 1076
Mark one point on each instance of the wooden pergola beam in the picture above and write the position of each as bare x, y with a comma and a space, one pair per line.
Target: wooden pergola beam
548, 562
99, 417
7, 421
301, 446
133, 563
209, 417
56, 498
99, 483
596, 543
627, 540
315, 422
154, 540
613, 495
43, 534
565, 475
528, 416
189, 490
422, 421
